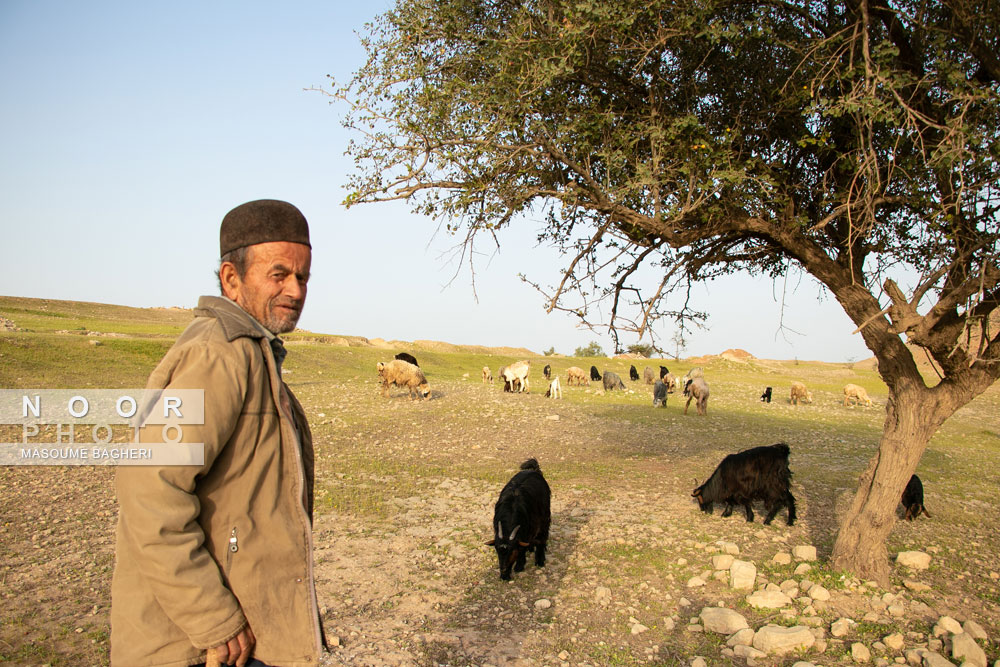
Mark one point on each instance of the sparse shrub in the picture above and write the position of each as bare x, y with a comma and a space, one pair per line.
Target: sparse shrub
592, 350
645, 349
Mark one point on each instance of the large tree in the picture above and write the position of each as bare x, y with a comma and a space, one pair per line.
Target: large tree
857, 141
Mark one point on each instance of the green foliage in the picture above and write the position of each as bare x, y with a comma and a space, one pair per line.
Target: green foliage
591, 350
645, 349
549, 352
852, 141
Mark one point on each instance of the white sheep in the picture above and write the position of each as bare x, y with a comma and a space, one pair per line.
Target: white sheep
697, 389
856, 393
576, 375
403, 374
799, 393
517, 373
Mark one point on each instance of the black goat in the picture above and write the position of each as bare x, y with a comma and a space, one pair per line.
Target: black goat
612, 381
760, 473
766, 396
913, 499
594, 375
547, 372
506, 382
663, 372
521, 519
406, 356
633, 374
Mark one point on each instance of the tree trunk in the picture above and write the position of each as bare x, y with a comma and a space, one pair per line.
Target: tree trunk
913, 415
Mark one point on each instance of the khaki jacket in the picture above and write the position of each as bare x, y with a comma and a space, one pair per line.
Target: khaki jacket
178, 587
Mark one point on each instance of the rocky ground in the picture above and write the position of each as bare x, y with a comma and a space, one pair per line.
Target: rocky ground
636, 574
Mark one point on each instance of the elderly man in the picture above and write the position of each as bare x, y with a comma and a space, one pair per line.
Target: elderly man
215, 561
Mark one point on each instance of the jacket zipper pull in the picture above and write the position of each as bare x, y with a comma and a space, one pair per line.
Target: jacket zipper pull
233, 546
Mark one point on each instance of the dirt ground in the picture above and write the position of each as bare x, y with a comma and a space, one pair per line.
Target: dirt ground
405, 492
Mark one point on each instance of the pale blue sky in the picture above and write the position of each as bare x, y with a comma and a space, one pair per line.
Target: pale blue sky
127, 130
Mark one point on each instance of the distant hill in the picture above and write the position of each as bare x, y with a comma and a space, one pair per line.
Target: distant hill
95, 319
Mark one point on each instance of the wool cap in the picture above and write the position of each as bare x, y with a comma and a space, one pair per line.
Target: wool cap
262, 221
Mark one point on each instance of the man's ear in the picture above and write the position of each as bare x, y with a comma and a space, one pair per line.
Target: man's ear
230, 279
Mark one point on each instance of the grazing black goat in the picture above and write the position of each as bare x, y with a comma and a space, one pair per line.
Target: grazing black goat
547, 372
659, 395
594, 375
506, 383
760, 473
406, 356
633, 374
913, 499
612, 381
521, 519
663, 372
766, 396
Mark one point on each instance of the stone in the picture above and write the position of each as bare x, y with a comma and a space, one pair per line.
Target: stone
975, 630
803, 663
699, 662
894, 641
602, 595
668, 624
768, 600
804, 552
723, 621
722, 562
914, 656
841, 627
638, 628
684, 602
749, 652
695, 582
916, 586
782, 558
933, 659
949, 624
802, 568
817, 592
896, 610
964, 647
741, 638
915, 560
860, 652
729, 548
742, 575
775, 639
543, 604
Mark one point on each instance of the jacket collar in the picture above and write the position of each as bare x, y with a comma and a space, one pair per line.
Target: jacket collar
234, 321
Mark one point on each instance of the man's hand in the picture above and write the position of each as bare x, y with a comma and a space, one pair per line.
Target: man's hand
237, 650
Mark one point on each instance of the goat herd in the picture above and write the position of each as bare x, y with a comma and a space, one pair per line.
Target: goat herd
522, 515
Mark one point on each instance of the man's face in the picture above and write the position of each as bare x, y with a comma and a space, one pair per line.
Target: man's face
274, 287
